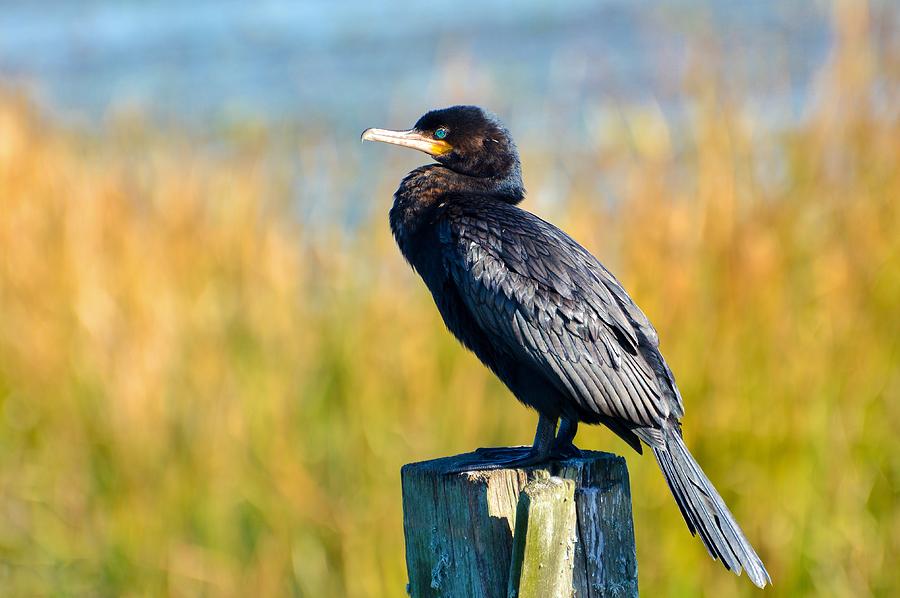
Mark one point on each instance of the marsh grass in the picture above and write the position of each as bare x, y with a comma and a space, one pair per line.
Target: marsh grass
202, 393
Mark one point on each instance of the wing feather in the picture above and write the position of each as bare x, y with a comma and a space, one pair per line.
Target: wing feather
545, 300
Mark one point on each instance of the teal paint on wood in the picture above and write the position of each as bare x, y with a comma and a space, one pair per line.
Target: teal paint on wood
460, 527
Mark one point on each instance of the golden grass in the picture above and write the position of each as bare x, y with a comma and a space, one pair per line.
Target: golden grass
201, 394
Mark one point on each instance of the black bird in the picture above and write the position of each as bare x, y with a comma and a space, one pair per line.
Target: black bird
544, 314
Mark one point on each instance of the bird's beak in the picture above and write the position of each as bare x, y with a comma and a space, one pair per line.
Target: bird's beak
411, 138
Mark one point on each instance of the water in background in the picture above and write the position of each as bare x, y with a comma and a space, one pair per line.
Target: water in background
540, 63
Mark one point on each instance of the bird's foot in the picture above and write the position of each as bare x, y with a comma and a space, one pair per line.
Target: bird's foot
497, 453
501, 458
561, 452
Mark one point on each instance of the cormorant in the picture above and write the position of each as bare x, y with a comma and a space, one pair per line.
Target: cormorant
544, 314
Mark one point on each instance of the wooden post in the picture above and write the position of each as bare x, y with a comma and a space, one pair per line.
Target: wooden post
563, 529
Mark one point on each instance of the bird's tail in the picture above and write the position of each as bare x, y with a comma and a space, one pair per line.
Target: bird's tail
705, 511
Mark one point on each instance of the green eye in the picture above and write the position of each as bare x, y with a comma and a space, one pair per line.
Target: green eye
440, 133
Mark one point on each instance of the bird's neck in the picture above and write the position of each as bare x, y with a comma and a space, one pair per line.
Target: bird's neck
427, 183
425, 189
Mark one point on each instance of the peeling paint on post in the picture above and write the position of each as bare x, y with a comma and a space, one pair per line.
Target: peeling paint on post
463, 529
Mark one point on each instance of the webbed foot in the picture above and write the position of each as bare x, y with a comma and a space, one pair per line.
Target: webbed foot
502, 458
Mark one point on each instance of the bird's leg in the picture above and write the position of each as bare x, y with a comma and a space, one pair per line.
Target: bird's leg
563, 446
516, 457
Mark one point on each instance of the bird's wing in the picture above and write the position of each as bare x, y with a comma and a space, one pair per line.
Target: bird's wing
544, 299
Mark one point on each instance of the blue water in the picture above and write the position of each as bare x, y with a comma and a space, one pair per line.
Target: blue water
353, 63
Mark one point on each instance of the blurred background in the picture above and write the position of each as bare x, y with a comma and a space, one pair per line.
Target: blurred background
214, 361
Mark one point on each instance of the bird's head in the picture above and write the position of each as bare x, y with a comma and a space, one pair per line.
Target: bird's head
465, 139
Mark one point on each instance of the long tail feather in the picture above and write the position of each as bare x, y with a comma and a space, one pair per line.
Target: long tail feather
705, 511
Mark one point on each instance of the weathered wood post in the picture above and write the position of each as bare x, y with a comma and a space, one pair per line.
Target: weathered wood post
564, 529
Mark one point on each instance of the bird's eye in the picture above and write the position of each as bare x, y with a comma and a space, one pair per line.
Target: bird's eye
441, 133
